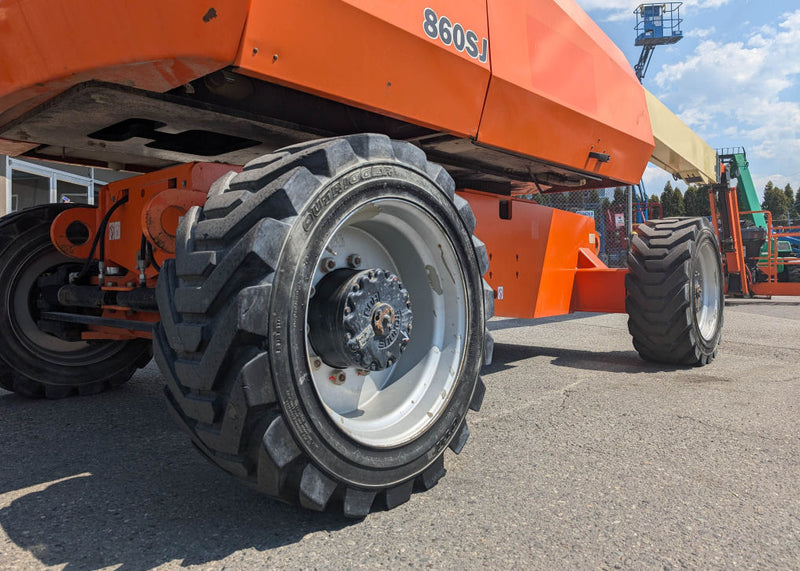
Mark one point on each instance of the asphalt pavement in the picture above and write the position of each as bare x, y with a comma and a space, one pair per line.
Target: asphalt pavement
582, 457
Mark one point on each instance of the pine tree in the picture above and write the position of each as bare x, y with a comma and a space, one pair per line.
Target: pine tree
776, 201
667, 199
620, 197
696, 201
789, 192
654, 208
797, 202
680, 207
690, 200
703, 202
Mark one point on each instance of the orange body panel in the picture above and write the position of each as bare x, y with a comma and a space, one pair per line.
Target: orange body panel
373, 54
561, 89
598, 288
536, 78
542, 261
46, 47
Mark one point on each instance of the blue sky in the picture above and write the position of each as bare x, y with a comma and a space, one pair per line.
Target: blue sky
734, 78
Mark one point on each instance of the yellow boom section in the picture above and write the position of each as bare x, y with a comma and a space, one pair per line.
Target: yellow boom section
679, 150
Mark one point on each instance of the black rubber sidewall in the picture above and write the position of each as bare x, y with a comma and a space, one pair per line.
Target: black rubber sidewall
322, 440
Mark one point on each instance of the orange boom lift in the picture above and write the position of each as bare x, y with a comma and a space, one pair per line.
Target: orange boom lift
325, 219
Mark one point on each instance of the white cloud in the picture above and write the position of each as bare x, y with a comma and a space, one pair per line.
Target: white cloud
654, 179
777, 179
623, 9
742, 88
701, 32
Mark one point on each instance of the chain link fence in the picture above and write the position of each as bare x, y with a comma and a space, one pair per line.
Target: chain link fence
609, 208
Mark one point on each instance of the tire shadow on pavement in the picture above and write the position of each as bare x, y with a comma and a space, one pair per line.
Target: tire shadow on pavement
109, 480
506, 356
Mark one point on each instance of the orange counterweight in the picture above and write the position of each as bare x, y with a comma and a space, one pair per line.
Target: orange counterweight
542, 261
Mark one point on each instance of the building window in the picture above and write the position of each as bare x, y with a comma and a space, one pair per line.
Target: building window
28, 189
31, 184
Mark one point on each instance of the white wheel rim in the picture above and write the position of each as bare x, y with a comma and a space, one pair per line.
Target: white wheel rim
705, 288
389, 408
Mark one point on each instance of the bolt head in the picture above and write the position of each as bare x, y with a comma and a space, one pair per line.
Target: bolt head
337, 377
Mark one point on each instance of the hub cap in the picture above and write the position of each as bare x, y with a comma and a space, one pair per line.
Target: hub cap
360, 319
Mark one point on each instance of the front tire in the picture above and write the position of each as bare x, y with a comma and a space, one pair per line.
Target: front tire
675, 294
286, 335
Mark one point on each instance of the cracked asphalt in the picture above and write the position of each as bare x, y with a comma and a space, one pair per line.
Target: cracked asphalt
583, 456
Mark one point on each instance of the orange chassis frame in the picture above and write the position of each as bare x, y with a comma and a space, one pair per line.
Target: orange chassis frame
543, 262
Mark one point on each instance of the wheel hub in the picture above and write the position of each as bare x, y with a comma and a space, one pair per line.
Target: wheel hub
360, 319
698, 292
383, 319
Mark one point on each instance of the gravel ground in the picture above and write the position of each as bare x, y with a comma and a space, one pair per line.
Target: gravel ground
583, 457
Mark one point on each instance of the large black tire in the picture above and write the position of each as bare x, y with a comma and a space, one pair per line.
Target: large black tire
793, 274
232, 342
675, 295
34, 363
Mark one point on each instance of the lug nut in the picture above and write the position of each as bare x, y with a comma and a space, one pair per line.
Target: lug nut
328, 264
316, 362
354, 260
337, 377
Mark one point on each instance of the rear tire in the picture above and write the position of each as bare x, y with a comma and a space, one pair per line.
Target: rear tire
247, 375
34, 363
675, 295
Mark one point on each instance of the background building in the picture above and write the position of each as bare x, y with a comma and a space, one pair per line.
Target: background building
28, 182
